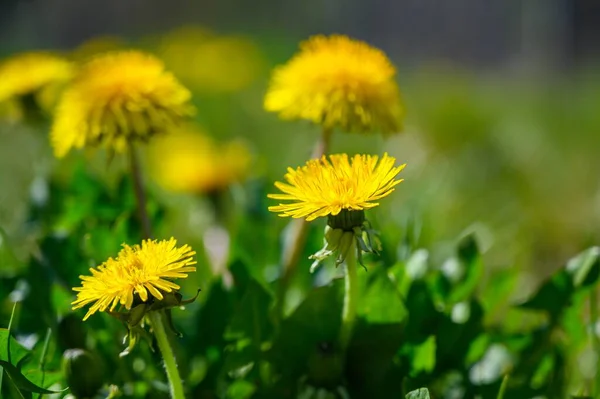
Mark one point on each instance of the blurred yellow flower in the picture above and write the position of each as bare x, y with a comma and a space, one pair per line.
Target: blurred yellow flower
188, 160
116, 98
40, 74
211, 63
135, 272
338, 82
326, 187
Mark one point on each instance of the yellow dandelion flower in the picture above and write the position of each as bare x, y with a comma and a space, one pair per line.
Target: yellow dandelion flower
136, 271
338, 82
188, 160
326, 187
39, 73
118, 97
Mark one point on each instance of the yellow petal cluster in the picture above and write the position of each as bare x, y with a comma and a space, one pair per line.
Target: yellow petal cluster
138, 270
37, 73
118, 97
190, 161
338, 82
327, 186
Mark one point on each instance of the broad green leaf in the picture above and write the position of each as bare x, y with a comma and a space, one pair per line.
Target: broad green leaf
17, 351
314, 324
424, 356
380, 301
240, 389
554, 294
251, 318
421, 393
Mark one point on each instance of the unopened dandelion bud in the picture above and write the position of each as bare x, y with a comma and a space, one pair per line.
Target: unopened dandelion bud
84, 372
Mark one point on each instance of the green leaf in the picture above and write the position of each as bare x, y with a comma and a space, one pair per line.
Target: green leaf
251, 318
424, 356
17, 351
585, 268
421, 393
554, 294
380, 302
240, 389
20, 381
470, 260
315, 323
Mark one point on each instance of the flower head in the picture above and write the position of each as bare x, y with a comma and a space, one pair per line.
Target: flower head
327, 187
338, 82
188, 160
40, 74
118, 97
135, 272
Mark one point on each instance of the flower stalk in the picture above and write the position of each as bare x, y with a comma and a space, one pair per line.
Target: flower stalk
175, 383
156, 317
140, 193
350, 297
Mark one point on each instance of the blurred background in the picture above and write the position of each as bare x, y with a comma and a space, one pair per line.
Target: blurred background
502, 131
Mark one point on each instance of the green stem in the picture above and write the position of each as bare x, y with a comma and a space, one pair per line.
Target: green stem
350, 297
594, 336
167, 354
140, 193
503, 386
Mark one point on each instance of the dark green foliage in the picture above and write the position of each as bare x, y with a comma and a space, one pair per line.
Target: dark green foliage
420, 323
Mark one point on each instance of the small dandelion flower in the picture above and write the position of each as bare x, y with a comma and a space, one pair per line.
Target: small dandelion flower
190, 161
338, 82
116, 98
141, 273
341, 189
39, 74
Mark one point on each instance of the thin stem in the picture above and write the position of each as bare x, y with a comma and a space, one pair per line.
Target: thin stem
594, 336
350, 297
167, 354
503, 386
140, 193
294, 246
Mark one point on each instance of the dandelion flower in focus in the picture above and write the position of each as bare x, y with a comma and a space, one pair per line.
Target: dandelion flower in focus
141, 273
40, 75
338, 82
340, 188
188, 160
211, 63
116, 98
326, 187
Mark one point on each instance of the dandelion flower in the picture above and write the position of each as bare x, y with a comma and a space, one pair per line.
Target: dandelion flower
40, 74
116, 98
341, 189
338, 82
326, 187
137, 273
188, 160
